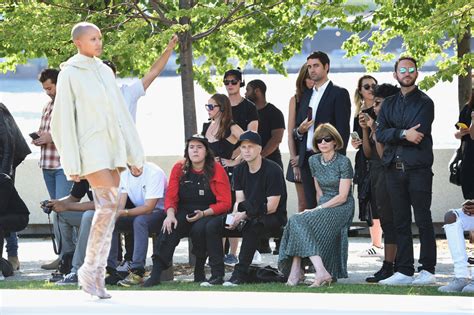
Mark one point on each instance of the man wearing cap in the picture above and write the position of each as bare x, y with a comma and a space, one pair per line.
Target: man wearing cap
260, 209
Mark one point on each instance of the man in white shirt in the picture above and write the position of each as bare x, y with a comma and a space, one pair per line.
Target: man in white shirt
146, 189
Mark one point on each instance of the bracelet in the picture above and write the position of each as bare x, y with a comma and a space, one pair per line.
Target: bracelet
203, 213
127, 214
318, 207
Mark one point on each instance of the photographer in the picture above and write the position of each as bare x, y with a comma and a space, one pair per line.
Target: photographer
456, 221
260, 209
14, 214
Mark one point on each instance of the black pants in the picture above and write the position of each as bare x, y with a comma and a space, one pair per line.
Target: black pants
308, 183
251, 235
166, 243
412, 188
11, 223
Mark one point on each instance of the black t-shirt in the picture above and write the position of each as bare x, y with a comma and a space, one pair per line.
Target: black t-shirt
270, 118
80, 189
244, 113
268, 181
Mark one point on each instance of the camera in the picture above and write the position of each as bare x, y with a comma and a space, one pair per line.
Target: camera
44, 205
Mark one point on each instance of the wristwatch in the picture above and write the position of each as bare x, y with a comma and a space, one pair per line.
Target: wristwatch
403, 134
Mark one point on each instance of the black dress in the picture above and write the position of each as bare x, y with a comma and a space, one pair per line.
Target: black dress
222, 148
467, 167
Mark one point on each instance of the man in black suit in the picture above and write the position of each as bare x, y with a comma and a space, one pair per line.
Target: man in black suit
326, 103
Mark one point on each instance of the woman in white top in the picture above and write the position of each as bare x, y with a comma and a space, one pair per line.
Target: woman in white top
96, 139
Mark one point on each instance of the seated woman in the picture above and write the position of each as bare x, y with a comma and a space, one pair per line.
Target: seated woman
14, 214
321, 233
198, 190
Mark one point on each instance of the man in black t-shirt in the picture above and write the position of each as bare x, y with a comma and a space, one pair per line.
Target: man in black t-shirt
259, 210
271, 123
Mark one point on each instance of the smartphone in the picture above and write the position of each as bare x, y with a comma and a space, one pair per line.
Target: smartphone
310, 114
34, 135
370, 112
192, 215
355, 135
229, 219
468, 203
461, 125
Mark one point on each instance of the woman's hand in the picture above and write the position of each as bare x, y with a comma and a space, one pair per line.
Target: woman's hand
461, 133
169, 223
297, 174
304, 126
370, 121
199, 214
294, 160
362, 120
356, 143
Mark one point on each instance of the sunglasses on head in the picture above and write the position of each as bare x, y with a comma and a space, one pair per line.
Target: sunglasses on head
369, 86
233, 82
211, 106
404, 70
326, 139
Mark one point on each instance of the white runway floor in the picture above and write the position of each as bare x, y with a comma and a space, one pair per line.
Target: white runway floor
171, 302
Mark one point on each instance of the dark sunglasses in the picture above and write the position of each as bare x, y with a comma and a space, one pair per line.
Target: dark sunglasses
404, 70
369, 86
326, 139
377, 102
211, 106
233, 82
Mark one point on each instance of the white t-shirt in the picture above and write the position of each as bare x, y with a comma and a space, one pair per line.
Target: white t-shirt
150, 184
132, 92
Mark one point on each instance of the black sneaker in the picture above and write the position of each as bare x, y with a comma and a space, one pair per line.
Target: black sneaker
112, 276
233, 282
55, 277
213, 281
385, 272
69, 279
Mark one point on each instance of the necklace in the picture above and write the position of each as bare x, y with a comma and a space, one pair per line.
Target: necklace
326, 163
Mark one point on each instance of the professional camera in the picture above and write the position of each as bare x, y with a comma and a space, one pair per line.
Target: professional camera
44, 205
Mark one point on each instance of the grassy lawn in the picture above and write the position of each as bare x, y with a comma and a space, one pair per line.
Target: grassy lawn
273, 287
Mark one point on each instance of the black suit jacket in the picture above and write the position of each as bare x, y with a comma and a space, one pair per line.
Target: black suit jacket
334, 108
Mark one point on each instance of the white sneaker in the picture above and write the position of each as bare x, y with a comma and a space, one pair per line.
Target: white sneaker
424, 277
456, 285
372, 251
1, 276
469, 288
124, 266
397, 279
257, 258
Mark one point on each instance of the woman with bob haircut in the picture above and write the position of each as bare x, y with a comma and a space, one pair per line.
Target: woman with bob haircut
198, 190
320, 234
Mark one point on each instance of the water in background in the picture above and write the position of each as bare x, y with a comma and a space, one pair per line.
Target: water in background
160, 113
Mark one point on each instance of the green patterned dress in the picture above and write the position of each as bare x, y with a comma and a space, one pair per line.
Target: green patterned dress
321, 232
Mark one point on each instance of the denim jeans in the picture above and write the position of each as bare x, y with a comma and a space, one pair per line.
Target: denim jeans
12, 244
58, 187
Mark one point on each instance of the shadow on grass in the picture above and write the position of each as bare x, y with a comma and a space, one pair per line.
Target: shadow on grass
269, 287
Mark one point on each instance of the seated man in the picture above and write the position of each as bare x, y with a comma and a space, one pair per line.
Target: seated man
455, 223
259, 210
14, 214
146, 189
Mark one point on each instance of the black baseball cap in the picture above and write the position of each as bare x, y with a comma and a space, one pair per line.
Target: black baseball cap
250, 136
200, 138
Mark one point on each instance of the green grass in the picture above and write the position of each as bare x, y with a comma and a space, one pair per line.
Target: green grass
272, 287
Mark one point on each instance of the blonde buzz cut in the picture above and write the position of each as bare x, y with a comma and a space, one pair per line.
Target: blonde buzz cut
81, 28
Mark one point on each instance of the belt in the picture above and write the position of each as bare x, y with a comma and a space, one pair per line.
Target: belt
398, 165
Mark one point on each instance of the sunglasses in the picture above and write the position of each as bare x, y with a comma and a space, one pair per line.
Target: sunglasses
233, 82
210, 107
326, 139
369, 86
404, 70
377, 102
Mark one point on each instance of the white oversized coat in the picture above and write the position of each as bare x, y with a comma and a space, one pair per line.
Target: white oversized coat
90, 125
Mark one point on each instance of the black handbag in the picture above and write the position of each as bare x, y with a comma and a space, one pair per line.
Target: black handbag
455, 167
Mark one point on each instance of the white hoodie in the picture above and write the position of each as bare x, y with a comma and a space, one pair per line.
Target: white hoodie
90, 124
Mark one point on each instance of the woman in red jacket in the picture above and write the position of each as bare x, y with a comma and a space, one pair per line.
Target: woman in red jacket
198, 190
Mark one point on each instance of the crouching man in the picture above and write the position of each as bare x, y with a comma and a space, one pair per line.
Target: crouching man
455, 223
259, 211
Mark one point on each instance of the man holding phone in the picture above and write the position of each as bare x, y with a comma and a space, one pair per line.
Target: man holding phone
56, 182
457, 221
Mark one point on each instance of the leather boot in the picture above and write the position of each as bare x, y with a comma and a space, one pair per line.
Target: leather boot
199, 273
106, 203
155, 275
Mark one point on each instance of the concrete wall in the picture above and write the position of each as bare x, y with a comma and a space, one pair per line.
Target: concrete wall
30, 185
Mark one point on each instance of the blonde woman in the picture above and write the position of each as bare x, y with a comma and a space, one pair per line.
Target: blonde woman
96, 139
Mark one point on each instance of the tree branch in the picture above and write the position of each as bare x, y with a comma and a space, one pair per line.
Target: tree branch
158, 7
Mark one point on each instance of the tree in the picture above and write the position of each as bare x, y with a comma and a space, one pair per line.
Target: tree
428, 29
211, 34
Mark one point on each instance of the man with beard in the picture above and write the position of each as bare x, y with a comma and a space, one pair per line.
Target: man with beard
404, 127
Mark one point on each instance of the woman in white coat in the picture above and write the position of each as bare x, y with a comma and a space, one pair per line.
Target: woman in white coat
96, 139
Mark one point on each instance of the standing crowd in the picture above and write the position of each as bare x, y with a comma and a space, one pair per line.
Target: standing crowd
229, 189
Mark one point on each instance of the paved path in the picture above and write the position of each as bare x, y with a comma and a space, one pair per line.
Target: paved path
35, 252
171, 302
